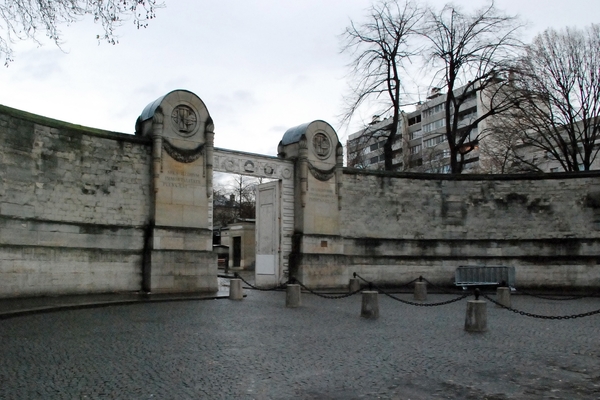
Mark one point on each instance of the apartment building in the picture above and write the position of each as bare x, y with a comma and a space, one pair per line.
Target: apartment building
421, 146
365, 147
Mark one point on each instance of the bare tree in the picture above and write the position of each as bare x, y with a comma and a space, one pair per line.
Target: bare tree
356, 152
380, 48
234, 198
245, 192
470, 54
22, 20
367, 149
503, 150
434, 159
559, 86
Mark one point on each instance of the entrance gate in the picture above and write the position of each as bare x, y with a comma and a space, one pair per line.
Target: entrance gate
274, 209
302, 203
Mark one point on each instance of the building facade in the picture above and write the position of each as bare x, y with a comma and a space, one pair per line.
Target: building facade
365, 147
421, 145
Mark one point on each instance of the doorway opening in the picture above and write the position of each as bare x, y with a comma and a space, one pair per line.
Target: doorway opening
234, 220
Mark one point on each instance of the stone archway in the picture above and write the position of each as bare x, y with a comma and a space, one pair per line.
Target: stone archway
274, 209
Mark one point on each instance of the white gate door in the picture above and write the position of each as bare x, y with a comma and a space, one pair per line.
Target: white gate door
267, 234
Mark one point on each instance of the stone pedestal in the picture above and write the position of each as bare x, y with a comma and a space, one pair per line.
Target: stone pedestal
235, 289
476, 319
354, 285
292, 296
420, 291
503, 296
370, 305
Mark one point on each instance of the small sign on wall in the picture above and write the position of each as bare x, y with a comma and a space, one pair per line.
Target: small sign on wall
265, 264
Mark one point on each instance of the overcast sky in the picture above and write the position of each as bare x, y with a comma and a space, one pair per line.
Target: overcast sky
260, 66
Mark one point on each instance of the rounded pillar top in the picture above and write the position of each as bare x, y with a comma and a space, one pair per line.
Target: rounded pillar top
320, 140
183, 116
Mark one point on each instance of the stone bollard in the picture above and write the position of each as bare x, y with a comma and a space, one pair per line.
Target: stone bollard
370, 304
476, 320
235, 289
421, 291
292, 296
354, 285
503, 296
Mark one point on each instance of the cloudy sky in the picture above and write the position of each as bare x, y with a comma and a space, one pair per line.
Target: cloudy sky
260, 66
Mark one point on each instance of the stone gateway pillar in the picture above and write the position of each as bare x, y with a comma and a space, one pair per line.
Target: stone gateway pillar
318, 157
179, 255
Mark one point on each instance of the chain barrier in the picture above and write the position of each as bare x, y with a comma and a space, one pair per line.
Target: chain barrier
583, 296
554, 317
438, 287
399, 286
412, 303
326, 296
278, 287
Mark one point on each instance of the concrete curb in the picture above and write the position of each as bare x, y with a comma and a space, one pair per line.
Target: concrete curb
97, 304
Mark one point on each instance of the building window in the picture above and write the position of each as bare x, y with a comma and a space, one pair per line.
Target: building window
373, 160
434, 141
416, 163
414, 120
434, 110
432, 126
470, 114
415, 134
415, 149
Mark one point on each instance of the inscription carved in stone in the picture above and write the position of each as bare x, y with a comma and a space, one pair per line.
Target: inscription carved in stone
185, 120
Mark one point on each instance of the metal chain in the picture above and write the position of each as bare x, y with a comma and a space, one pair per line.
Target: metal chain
438, 287
401, 285
325, 296
593, 294
278, 287
412, 303
587, 314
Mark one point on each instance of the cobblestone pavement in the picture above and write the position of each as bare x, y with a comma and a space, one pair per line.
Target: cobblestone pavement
258, 349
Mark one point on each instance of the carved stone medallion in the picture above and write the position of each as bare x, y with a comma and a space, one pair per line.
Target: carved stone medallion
185, 120
321, 145
229, 165
249, 166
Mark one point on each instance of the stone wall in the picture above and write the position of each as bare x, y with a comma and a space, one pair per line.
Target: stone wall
74, 203
77, 214
396, 227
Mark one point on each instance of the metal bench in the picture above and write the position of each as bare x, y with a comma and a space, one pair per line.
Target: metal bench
476, 275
